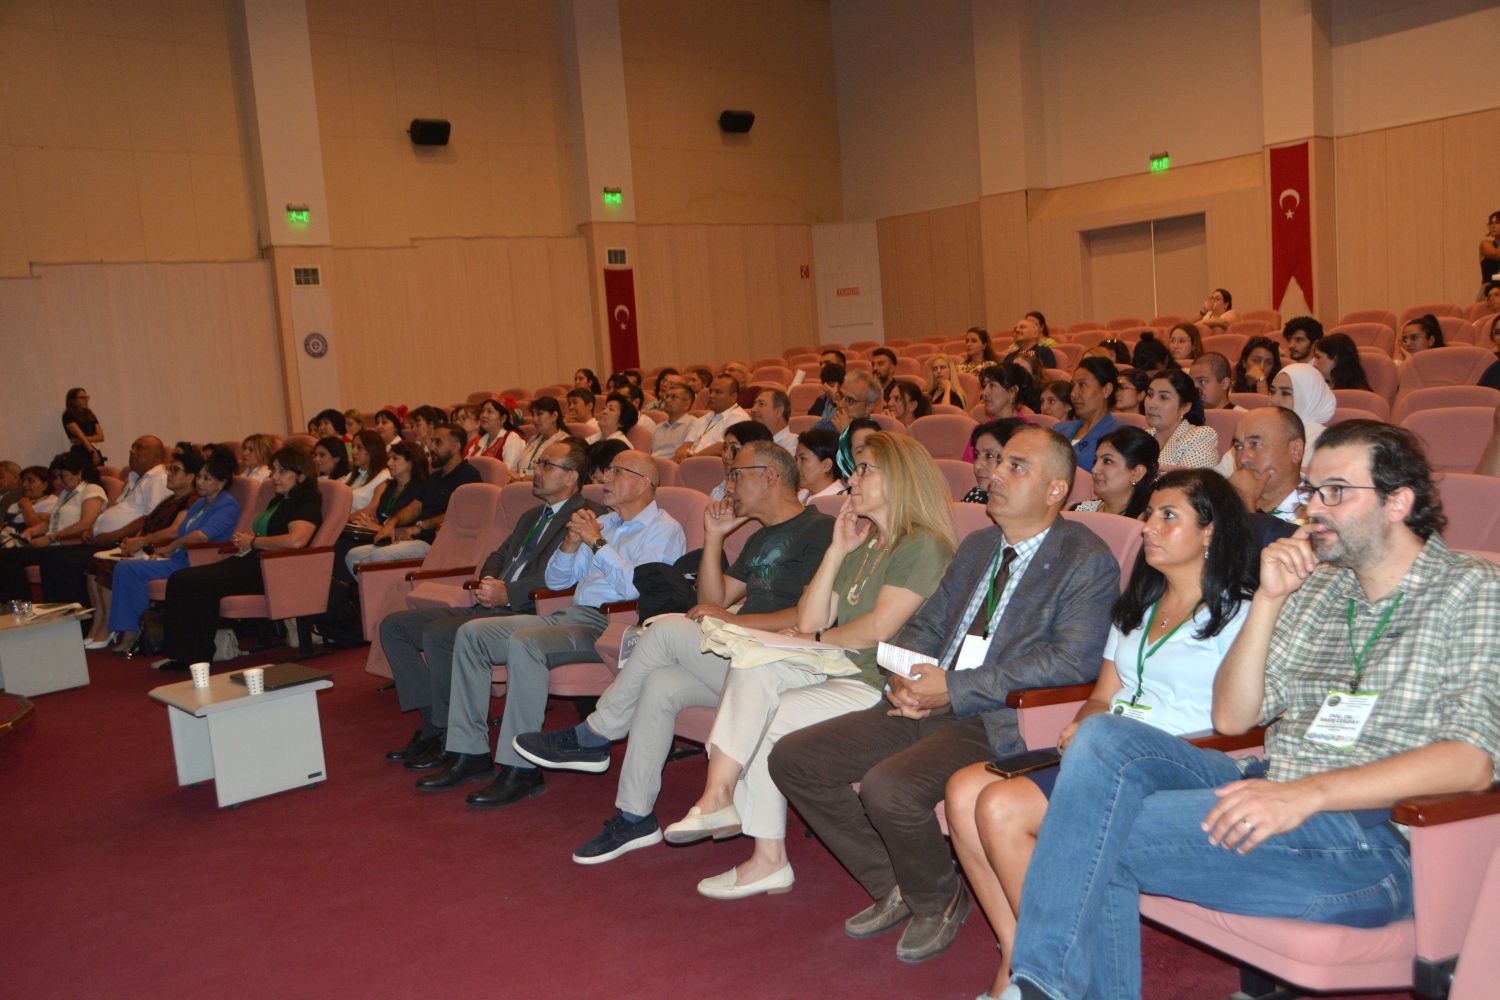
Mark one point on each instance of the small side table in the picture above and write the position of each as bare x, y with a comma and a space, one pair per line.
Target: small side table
42, 654
250, 747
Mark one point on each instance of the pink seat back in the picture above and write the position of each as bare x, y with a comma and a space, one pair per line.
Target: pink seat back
1458, 330
686, 506
1123, 323
491, 470
1440, 396
944, 435
262, 492
667, 472
1472, 503
804, 395
805, 422
1454, 437
830, 505
1438, 309
701, 473
112, 488
1250, 328
1380, 371
1270, 316
1249, 400
640, 436
1364, 399
1121, 534
1092, 337
1442, 366
959, 475
338, 500
1228, 344
1342, 413
888, 423
1068, 354
772, 373
1133, 419
969, 518
466, 527
515, 499
1223, 422
1479, 962
1384, 316
1376, 335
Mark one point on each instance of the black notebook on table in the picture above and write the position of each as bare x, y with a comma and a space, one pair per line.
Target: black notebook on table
285, 675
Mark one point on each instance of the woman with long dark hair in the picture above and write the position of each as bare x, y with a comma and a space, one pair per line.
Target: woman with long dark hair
977, 350
1174, 415
82, 426
1125, 467
1258, 364
1186, 601
1093, 398
1336, 356
367, 458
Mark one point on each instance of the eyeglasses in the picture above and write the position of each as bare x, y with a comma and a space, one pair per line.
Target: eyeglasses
734, 474
864, 469
846, 399
615, 470
547, 463
1331, 494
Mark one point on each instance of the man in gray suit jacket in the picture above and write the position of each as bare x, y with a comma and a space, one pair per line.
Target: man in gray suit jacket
1023, 605
419, 644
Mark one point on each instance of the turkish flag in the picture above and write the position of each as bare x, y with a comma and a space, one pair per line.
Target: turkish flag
1291, 224
619, 299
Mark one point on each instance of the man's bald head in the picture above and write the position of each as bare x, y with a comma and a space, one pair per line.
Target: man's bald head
640, 463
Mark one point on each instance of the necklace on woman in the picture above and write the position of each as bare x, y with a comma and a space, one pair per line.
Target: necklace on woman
861, 579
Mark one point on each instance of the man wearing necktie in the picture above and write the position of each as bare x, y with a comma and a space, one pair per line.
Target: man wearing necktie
1024, 604
419, 643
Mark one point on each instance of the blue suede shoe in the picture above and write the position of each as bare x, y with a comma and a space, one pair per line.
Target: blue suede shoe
559, 749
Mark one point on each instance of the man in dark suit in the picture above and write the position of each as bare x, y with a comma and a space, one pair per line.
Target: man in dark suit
419, 644
1023, 605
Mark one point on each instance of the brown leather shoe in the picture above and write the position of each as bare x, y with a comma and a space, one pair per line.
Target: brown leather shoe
886, 913
927, 936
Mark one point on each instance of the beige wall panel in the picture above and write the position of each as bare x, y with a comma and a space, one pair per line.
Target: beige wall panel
146, 327
111, 204
1413, 211
1006, 255
1470, 165
51, 214
1117, 263
931, 272
440, 319
1363, 237
98, 108
33, 85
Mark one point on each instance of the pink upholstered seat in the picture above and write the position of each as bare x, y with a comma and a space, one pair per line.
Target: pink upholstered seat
1342, 413
772, 373
959, 475
701, 473
1133, 419
668, 472
1453, 437
1121, 534
1123, 323
1438, 309
1442, 366
1458, 330
1223, 422
1384, 316
1437, 397
1381, 372
1250, 328
1228, 344
1376, 335
1364, 399
944, 435
803, 396
1479, 962
1472, 503
969, 518
491, 470
1249, 400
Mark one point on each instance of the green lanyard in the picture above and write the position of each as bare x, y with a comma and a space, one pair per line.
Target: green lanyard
1360, 653
1144, 654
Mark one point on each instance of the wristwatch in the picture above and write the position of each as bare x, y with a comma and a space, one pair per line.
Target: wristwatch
598, 543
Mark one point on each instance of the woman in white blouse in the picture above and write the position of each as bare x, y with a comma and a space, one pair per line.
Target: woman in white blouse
817, 465
1187, 600
546, 418
500, 440
255, 456
80, 502
1174, 416
367, 455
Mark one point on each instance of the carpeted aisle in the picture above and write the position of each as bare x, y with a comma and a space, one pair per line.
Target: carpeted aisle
119, 884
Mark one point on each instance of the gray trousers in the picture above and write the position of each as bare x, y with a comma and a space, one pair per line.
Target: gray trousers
419, 646
665, 674
530, 646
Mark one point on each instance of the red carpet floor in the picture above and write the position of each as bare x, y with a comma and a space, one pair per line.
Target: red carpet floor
119, 884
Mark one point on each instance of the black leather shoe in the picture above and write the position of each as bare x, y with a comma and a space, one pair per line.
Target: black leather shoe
463, 767
413, 747
429, 756
512, 785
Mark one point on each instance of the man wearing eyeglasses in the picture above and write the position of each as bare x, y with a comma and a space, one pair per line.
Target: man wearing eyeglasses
598, 557
707, 435
1370, 650
668, 671
419, 643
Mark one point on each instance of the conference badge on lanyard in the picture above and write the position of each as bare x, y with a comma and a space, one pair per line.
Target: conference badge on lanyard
1342, 716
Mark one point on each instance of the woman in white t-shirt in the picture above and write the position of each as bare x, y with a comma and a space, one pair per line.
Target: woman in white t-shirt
1187, 600
33, 507
367, 454
81, 501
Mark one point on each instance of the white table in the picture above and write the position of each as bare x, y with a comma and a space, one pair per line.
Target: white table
249, 746
42, 654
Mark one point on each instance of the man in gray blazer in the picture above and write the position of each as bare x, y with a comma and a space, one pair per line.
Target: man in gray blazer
1023, 605
419, 644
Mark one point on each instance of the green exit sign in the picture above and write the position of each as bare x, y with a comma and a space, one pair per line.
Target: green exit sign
298, 218
613, 198
1160, 162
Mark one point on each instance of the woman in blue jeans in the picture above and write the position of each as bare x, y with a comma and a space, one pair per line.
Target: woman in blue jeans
1185, 603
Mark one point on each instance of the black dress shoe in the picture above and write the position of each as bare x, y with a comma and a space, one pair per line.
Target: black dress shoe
429, 756
414, 746
512, 785
463, 767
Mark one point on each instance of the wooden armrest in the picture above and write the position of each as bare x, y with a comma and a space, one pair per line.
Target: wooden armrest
1433, 810
379, 567
285, 553
435, 574
542, 593
1038, 697
1253, 737
611, 607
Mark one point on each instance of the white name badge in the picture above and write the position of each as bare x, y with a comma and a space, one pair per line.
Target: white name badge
971, 653
1342, 718
1138, 712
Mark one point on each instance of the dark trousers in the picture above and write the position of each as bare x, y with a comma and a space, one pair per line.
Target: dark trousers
63, 572
418, 645
13, 563
886, 833
192, 608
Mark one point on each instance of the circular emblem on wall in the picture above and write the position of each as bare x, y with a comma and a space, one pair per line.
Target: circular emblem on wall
315, 344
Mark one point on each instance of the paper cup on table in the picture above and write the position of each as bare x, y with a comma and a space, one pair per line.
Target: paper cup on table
255, 680
200, 675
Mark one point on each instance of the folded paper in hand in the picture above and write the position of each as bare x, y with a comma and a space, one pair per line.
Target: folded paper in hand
899, 659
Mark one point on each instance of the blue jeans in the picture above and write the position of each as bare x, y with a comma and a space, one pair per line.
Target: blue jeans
1126, 818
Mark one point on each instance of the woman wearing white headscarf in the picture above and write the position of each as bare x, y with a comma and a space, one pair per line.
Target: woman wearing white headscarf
1300, 388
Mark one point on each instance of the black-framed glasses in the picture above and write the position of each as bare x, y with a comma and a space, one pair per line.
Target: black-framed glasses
864, 469
1331, 494
547, 463
615, 470
734, 474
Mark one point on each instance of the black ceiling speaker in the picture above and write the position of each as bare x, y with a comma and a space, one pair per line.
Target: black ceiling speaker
429, 131
736, 121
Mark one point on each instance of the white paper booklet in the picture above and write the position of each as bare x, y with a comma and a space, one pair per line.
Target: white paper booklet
899, 659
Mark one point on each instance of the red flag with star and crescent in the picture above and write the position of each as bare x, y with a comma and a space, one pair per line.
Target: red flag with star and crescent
1291, 224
